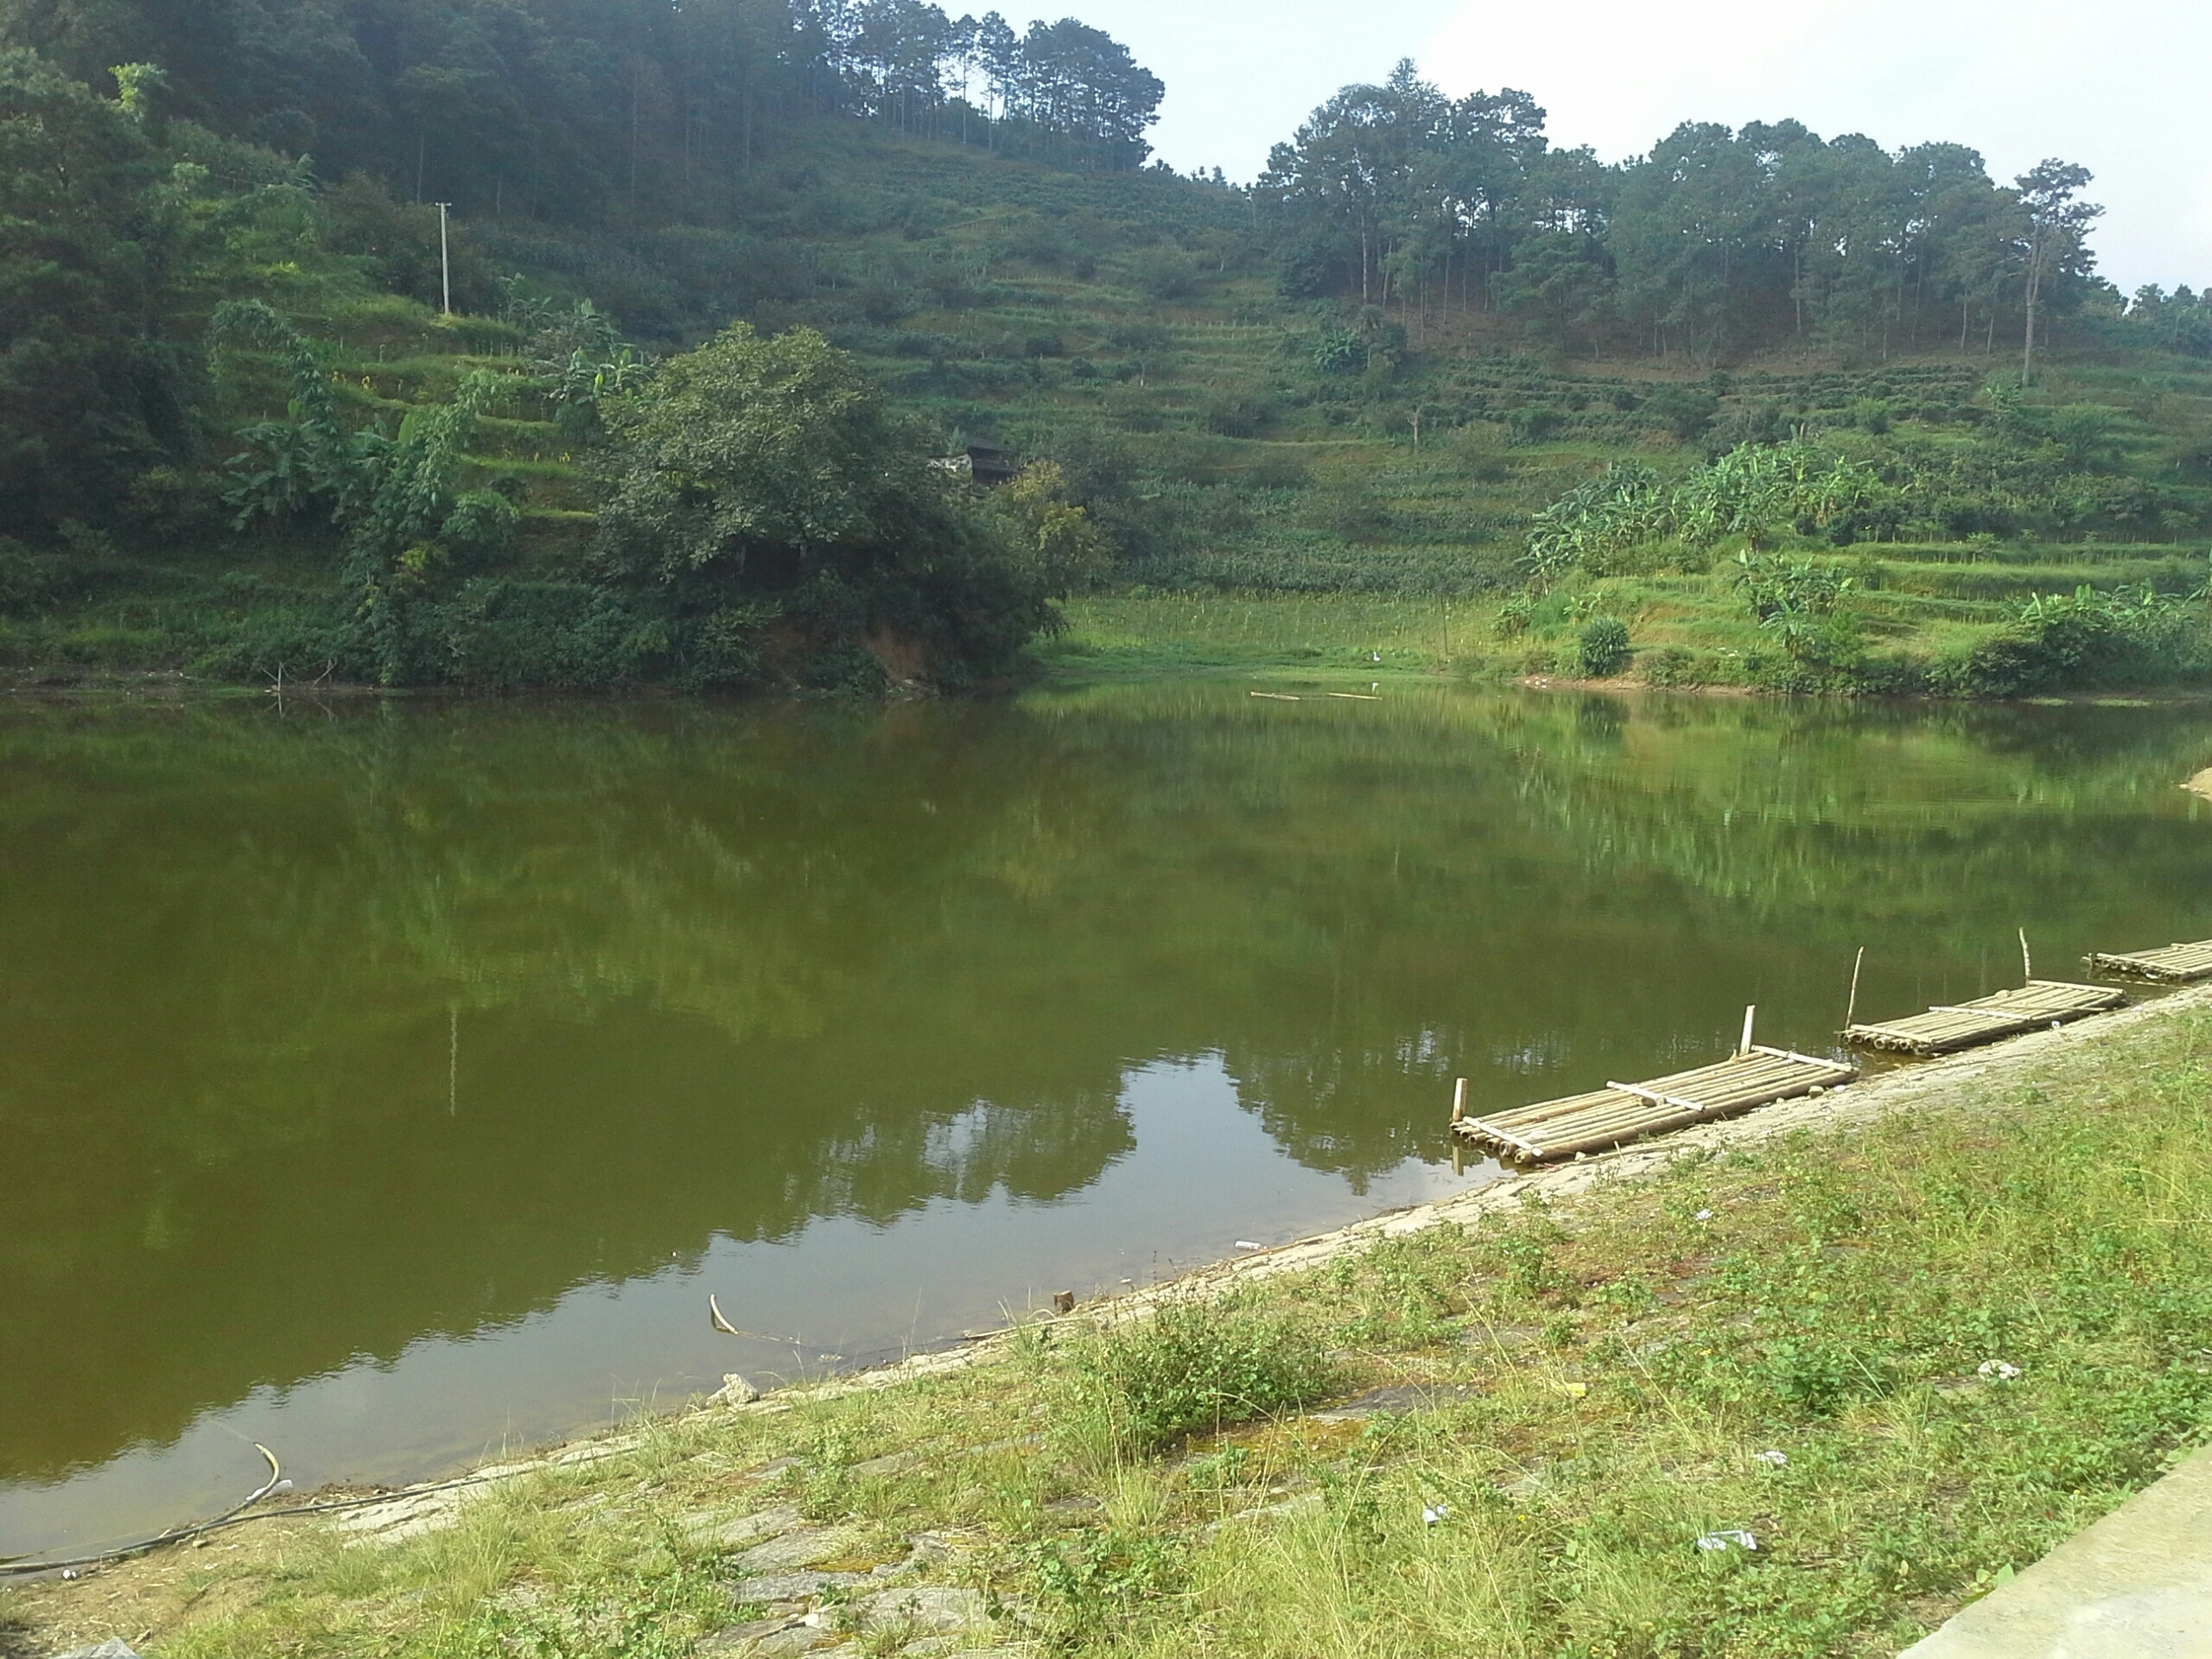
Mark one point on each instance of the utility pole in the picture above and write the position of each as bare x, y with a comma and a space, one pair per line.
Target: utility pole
445, 259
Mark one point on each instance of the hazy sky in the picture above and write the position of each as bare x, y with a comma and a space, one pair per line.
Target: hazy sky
2122, 90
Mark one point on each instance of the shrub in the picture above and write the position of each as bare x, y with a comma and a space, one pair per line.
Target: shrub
2087, 639
1871, 414
1234, 415
1083, 1584
500, 632
1164, 274
1339, 351
29, 582
1777, 588
1193, 1368
1533, 422
1604, 647
482, 526
1686, 411
1675, 665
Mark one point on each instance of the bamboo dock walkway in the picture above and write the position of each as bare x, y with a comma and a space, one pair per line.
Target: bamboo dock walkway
1945, 1030
2177, 965
1626, 1111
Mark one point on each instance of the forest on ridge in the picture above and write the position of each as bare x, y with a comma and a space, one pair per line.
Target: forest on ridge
241, 430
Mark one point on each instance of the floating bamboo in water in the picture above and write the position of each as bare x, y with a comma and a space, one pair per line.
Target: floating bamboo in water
1625, 1111
2177, 965
1945, 1029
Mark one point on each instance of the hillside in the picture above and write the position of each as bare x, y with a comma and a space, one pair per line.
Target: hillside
1382, 462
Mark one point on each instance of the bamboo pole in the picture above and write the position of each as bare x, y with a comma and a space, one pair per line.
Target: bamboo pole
1851, 1014
1749, 1016
1459, 1100
2027, 962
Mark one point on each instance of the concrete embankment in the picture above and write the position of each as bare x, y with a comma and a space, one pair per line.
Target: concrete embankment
1839, 1365
1930, 1085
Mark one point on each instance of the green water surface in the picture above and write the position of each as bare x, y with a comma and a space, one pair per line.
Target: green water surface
391, 1082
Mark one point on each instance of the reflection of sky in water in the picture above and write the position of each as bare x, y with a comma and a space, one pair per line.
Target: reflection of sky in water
1203, 1174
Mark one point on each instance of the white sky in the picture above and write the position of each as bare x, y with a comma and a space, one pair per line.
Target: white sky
2123, 92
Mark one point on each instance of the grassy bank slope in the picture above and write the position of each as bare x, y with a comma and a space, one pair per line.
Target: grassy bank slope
1906, 1353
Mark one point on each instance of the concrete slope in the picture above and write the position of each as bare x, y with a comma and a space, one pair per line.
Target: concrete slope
2136, 1586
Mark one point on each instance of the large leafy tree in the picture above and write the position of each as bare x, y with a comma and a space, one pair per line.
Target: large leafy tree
88, 388
2056, 243
768, 472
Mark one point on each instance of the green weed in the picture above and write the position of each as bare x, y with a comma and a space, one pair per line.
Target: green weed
1136, 1390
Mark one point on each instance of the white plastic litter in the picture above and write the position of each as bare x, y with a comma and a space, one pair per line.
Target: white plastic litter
1734, 1538
1250, 1244
1434, 1513
1779, 1459
1705, 1215
1998, 1371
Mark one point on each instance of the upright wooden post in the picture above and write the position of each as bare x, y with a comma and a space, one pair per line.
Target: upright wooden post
445, 259
2027, 962
1459, 1101
1749, 1016
1851, 1014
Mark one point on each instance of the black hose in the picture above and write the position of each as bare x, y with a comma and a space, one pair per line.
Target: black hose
235, 1516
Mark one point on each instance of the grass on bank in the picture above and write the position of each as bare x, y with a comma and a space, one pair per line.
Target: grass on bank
1918, 616
1907, 1360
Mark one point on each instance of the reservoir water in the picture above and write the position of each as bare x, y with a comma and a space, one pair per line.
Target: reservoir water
390, 1083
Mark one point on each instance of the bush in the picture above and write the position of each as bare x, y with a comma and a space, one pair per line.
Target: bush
480, 527
498, 633
1687, 411
1604, 647
1533, 422
1238, 416
2086, 640
29, 582
1193, 1368
1164, 274
1871, 414
1675, 665
1777, 588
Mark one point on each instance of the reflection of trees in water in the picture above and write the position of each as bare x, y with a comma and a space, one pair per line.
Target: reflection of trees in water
1952, 820
724, 971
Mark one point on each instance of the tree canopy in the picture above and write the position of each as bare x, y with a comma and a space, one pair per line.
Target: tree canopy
765, 479
1715, 243
568, 112
90, 393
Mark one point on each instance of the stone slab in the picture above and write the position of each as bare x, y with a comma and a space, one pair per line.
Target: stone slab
1397, 1401
2137, 1585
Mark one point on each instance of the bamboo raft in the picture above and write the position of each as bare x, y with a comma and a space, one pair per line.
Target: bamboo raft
1944, 1030
2177, 965
1626, 1111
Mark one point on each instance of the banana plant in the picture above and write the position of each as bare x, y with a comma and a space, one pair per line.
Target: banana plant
586, 382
